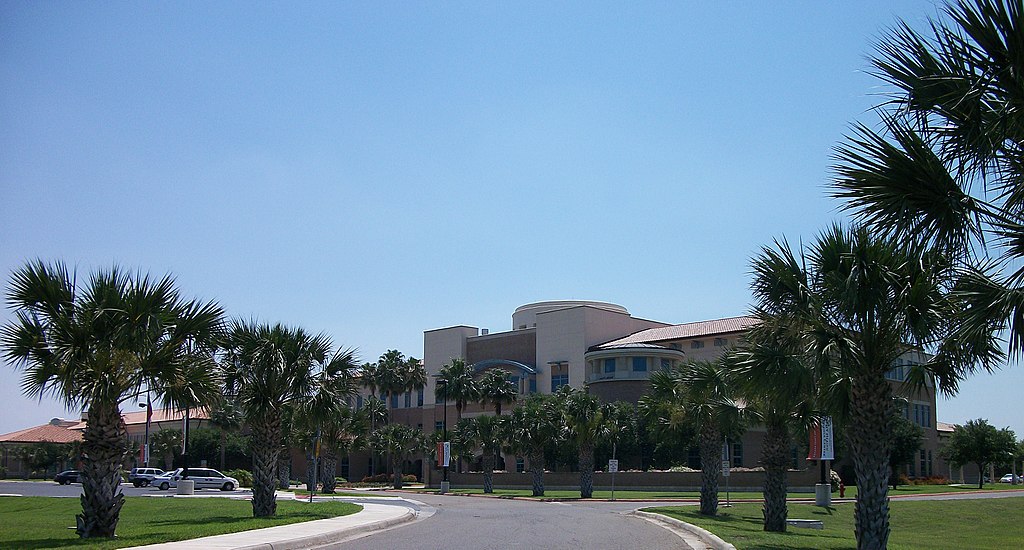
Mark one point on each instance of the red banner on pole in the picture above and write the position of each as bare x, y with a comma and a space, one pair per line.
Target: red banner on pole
814, 449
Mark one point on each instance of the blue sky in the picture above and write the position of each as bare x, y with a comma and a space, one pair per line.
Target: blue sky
372, 170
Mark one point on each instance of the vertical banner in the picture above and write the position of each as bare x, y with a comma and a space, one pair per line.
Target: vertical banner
821, 445
827, 448
444, 454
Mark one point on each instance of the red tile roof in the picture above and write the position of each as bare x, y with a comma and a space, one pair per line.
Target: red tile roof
46, 432
159, 415
684, 331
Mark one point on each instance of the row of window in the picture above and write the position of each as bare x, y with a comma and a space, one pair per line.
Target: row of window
921, 467
900, 370
920, 413
698, 344
405, 398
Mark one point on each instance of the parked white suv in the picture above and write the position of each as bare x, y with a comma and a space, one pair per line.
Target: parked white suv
204, 478
141, 477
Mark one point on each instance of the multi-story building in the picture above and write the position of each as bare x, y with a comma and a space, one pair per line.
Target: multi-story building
603, 347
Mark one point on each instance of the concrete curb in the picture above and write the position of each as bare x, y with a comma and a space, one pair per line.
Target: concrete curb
323, 539
707, 537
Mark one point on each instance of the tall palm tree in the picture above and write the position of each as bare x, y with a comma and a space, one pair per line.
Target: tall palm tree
532, 427
101, 344
585, 425
458, 384
948, 168
856, 302
270, 369
226, 417
779, 389
497, 389
399, 442
376, 414
395, 373
700, 394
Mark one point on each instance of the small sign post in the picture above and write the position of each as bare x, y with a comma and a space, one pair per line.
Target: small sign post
725, 474
613, 467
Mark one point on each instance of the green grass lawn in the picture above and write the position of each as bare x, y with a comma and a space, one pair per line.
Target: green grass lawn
976, 524
851, 492
45, 522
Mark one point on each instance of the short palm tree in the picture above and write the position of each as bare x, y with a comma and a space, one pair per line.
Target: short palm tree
327, 399
585, 425
226, 417
340, 436
779, 389
271, 368
394, 373
103, 343
399, 442
166, 444
856, 301
700, 394
532, 427
488, 433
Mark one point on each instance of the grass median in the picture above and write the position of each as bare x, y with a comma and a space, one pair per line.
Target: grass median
851, 492
48, 522
976, 524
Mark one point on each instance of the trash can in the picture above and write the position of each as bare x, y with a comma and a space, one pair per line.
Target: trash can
186, 487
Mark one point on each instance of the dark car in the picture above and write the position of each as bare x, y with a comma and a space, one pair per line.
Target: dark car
67, 476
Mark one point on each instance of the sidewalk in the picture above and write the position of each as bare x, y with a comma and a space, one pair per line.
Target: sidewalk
301, 535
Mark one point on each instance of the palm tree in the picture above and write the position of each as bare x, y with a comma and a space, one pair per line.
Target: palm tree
496, 389
226, 417
270, 369
949, 166
376, 413
398, 441
532, 427
856, 301
166, 444
779, 390
332, 386
101, 344
700, 394
395, 373
487, 431
340, 436
458, 384
586, 426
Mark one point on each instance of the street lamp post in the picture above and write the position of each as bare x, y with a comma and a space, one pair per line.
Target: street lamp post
149, 417
445, 484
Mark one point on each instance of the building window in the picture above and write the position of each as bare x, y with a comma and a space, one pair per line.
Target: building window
419, 397
609, 366
675, 345
344, 467
929, 463
696, 344
438, 425
359, 402
794, 457
666, 364
719, 342
408, 399
394, 401
419, 427
533, 384
896, 373
560, 376
639, 364
923, 415
737, 455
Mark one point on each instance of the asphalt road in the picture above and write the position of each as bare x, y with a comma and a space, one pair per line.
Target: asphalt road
451, 522
52, 489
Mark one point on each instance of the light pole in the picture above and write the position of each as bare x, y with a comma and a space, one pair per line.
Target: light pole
149, 417
445, 484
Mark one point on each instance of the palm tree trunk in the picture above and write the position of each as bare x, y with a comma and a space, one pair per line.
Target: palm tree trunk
328, 465
396, 468
869, 433
103, 449
774, 456
586, 470
710, 468
537, 469
488, 469
266, 435
223, 447
310, 471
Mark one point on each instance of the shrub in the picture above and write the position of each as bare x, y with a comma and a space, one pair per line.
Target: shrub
387, 478
682, 469
244, 477
339, 480
834, 480
930, 480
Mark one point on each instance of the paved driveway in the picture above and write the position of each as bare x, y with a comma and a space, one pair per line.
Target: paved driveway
484, 523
